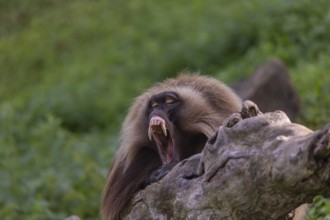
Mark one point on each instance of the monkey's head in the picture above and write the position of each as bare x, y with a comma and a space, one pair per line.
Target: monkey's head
176, 117
168, 123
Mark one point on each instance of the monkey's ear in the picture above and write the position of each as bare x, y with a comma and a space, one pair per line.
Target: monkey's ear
122, 185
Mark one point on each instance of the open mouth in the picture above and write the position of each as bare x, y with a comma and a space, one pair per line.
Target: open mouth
158, 130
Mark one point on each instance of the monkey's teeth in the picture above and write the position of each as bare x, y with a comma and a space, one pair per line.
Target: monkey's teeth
150, 133
164, 129
156, 121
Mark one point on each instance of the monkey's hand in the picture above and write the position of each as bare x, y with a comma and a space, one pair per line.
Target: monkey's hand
223, 145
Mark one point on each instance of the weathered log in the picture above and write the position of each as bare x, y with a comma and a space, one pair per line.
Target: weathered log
257, 166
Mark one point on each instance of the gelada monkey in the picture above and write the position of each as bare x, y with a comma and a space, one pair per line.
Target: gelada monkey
168, 123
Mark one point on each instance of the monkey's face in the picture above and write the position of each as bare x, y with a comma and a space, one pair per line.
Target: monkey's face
171, 141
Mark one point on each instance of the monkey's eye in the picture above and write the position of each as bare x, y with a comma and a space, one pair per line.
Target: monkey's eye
153, 104
169, 100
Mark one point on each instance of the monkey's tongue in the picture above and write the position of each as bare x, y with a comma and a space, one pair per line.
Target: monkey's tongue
159, 131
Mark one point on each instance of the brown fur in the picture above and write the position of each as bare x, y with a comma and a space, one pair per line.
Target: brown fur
205, 104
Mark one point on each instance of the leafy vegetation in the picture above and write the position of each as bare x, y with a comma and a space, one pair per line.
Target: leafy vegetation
70, 69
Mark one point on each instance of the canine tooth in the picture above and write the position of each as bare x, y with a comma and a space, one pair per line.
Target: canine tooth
164, 129
150, 133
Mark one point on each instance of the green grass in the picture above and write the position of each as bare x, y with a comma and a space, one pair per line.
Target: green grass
70, 69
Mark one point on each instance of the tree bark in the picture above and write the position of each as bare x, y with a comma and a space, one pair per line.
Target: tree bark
257, 166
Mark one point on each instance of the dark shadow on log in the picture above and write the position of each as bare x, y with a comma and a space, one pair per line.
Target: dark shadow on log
257, 166
270, 87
